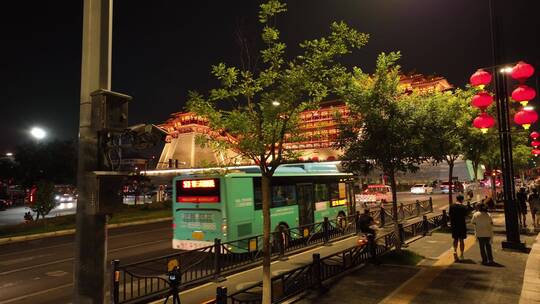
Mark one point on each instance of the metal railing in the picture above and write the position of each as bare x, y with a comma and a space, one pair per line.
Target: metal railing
147, 279
311, 276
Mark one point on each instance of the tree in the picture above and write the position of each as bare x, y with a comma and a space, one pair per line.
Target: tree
476, 144
44, 199
521, 156
449, 115
383, 129
264, 102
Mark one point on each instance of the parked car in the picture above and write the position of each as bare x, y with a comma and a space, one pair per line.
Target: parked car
373, 195
421, 189
456, 187
3, 204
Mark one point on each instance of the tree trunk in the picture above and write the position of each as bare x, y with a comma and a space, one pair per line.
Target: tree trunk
267, 277
450, 181
475, 166
395, 210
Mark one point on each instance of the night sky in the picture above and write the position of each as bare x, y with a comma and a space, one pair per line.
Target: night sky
163, 48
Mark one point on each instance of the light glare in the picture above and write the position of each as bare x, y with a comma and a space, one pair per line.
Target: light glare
38, 133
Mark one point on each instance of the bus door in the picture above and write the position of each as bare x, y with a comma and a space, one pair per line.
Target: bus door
305, 203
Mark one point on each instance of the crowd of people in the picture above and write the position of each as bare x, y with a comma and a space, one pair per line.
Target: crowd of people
533, 199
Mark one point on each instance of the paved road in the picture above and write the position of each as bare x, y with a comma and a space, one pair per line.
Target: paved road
40, 271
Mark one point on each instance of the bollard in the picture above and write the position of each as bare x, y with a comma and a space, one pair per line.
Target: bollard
217, 261
425, 225
401, 233
444, 223
382, 217
430, 204
372, 247
115, 289
326, 231
418, 208
221, 295
316, 274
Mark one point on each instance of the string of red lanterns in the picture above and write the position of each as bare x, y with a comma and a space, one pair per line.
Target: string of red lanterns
522, 94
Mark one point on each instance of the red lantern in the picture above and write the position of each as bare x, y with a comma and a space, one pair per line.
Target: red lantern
483, 122
522, 71
480, 78
526, 118
535, 143
534, 135
535, 152
523, 94
482, 100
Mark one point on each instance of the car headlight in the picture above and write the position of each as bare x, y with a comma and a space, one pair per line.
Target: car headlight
69, 199
57, 197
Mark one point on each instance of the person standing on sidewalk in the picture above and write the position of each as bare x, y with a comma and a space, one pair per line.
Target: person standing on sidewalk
483, 229
458, 213
534, 204
522, 204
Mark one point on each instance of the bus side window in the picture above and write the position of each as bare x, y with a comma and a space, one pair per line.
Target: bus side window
283, 195
321, 193
257, 195
334, 191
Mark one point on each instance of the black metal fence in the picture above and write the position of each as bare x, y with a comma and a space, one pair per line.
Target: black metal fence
312, 275
146, 280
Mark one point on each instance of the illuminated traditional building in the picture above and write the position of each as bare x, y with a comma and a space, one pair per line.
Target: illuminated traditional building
319, 130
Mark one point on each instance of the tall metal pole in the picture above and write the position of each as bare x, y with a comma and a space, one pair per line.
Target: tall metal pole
510, 208
91, 235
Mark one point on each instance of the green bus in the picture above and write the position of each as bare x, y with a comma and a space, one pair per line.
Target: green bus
228, 206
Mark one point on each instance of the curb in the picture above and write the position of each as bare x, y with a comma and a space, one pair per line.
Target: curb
530, 291
30, 237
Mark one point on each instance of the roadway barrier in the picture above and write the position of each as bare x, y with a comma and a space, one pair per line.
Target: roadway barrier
311, 276
146, 280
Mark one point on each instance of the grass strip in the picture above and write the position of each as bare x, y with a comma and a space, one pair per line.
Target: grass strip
405, 257
125, 214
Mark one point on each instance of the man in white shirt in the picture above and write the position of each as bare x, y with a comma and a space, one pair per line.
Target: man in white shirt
483, 223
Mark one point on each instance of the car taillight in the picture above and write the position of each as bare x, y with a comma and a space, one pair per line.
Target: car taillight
173, 225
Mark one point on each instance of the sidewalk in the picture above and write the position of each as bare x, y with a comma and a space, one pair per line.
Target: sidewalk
438, 279
238, 281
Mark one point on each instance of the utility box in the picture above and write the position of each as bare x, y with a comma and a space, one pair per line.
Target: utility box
109, 190
109, 110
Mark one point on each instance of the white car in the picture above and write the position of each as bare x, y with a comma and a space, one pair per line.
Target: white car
421, 189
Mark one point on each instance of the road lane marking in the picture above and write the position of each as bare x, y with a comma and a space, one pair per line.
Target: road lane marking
70, 259
25, 259
38, 293
22, 252
35, 266
406, 293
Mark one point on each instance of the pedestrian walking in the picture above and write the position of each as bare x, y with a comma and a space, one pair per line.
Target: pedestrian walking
522, 205
458, 212
534, 204
483, 229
